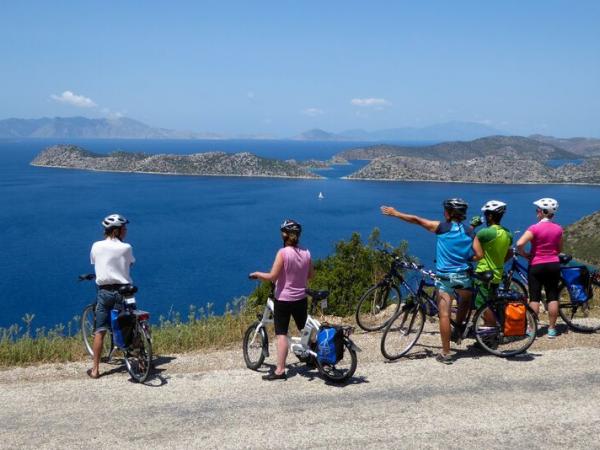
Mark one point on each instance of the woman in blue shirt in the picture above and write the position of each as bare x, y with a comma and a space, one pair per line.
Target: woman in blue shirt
456, 247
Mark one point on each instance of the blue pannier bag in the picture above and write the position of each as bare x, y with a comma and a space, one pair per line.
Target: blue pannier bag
577, 281
122, 327
330, 344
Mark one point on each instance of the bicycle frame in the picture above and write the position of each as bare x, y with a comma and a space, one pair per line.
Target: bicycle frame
299, 345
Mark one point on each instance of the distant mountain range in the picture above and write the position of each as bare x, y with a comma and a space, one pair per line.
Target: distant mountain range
449, 131
578, 145
82, 127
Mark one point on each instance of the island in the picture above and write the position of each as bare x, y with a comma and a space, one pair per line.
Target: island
200, 164
494, 160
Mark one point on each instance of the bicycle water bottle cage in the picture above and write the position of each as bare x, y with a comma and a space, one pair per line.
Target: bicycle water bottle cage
128, 290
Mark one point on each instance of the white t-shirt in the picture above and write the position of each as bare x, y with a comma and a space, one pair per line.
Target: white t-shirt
112, 259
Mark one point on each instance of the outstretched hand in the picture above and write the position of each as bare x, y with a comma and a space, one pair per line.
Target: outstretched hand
253, 276
388, 211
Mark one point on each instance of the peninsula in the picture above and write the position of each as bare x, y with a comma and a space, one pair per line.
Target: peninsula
495, 160
200, 164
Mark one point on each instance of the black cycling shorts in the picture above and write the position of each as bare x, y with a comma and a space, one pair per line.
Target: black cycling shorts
284, 310
546, 276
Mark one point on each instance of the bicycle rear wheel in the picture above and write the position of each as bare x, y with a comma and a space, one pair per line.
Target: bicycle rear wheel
138, 357
343, 369
580, 316
517, 286
402, 332
489, 331
377, 306
255, 346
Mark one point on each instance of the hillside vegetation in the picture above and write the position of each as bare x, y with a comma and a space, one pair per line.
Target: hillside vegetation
582, 239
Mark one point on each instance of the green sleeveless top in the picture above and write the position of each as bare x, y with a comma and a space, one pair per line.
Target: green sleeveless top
495, 240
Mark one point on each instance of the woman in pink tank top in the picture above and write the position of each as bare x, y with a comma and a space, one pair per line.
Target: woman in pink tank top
290, 272
544, 264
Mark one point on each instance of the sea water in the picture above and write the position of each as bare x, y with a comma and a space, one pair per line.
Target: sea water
196, 238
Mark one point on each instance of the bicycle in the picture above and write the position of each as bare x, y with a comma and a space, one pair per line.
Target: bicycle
579, 316
137, 350
256, 342
381, 301
487, 324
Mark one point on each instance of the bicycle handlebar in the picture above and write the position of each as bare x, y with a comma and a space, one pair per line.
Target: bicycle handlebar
87, 277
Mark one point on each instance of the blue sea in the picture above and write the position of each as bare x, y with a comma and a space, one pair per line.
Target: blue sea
196, 238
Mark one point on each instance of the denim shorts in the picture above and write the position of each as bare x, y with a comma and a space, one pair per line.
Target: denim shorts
105, 301
452, 281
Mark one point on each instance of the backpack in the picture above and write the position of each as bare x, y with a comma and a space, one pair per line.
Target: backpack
577, 280
330, 344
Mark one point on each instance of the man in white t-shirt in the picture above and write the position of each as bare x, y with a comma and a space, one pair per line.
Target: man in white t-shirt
112, 259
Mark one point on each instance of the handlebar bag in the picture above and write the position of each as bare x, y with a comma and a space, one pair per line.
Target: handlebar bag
330, 344
515, 319
122, 323
577, 279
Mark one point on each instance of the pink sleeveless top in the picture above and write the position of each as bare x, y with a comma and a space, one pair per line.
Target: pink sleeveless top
545, 244
292, 280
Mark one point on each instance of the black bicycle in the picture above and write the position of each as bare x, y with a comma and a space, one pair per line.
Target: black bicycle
488, 326
136, 336
381, 301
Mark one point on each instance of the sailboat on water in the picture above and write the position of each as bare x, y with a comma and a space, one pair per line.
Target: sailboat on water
321, 196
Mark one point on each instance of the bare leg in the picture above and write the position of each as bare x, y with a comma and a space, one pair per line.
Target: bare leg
282, 351
552, 313
98, 341
536, 307
444, 302
464, 305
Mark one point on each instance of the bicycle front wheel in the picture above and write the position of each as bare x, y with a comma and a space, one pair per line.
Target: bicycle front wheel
377, 306
402, 332
255, 346
489, 331
343, 369
138, 358
579, 316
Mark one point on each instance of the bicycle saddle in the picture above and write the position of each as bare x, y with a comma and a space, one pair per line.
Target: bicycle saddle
564, 258
127, 291
317, 295
486, 277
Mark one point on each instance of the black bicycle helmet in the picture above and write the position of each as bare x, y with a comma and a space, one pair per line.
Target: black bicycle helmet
292, 226
457, 206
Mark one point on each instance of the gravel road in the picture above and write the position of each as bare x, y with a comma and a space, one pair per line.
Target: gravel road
547, 398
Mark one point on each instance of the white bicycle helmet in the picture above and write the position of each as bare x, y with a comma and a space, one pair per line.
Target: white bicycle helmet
495, 206
547, 205
114, 221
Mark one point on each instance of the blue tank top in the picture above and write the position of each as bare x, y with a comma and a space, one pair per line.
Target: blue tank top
454, 247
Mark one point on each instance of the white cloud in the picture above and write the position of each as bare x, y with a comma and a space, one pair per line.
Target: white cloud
370, 102
73, 99
312, 112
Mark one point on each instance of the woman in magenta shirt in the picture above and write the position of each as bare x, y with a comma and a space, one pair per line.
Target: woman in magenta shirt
544, 266
290, 272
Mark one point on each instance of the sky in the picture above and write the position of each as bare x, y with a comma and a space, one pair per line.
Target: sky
281, 67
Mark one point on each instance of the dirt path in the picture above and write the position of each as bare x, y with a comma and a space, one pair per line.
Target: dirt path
547, 398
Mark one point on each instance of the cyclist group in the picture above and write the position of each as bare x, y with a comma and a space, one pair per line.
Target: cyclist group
457, 246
